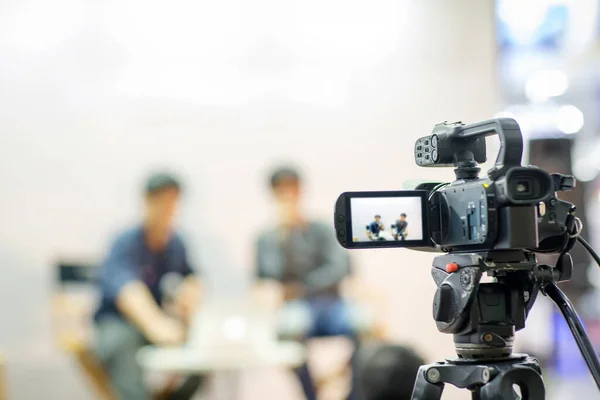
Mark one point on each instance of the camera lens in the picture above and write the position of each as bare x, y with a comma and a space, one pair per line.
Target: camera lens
434, 155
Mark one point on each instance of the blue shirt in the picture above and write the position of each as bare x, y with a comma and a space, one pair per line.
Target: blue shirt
130, 259
374, 228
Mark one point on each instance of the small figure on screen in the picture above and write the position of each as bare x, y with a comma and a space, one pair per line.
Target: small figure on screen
401, 225
374, 228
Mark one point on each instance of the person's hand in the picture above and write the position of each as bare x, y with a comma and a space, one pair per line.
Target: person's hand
267, 294
188, 298
292, 291
166, 331
137, 304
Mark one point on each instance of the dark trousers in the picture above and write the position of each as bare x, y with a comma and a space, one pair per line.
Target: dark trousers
117, 343
315, 317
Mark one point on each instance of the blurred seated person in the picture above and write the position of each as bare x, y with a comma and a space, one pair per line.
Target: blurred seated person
374, 228
304, 257
401, 225
387, 372
132, 283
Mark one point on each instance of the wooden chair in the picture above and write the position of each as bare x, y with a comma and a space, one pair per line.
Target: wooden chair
3, 383
72, 306
74, 301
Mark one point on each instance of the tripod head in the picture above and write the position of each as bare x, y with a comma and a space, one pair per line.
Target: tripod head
483, 317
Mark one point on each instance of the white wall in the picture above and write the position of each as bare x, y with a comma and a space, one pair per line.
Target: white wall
94, 94
364, 209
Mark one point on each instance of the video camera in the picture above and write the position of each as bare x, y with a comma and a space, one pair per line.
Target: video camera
493, 225
513, 207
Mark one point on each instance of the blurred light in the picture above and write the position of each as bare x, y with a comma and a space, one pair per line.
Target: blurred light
39, 25
316, 86
529, 121
569, 119
161, 31
545, 120
234, 328
582, 33
545, 84
344, 31
180, 79
523, 17
584, 169
317, 48
586, 163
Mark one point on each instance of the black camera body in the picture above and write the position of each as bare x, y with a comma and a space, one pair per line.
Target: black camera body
483, 215
514, 207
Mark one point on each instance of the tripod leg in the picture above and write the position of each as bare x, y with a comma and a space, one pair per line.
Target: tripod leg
476, 395
424, 390
501, 387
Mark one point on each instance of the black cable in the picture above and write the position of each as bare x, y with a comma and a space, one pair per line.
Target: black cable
589, 249
583, 342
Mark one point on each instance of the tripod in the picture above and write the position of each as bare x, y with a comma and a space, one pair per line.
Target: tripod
483, 317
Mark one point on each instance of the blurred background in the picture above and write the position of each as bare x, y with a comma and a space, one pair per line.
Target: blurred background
96, 94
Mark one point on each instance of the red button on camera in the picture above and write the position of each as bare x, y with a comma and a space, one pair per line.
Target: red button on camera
452, 267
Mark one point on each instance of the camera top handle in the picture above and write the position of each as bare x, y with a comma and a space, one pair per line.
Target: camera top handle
511, 141
463, 146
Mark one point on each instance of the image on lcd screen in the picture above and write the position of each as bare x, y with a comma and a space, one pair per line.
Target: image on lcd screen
386, 218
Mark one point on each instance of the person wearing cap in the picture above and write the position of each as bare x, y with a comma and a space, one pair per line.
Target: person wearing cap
132, 285
303, 257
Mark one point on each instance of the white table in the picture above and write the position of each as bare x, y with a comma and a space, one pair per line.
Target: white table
227, 362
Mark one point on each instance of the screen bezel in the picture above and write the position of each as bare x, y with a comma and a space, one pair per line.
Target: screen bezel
345, 212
